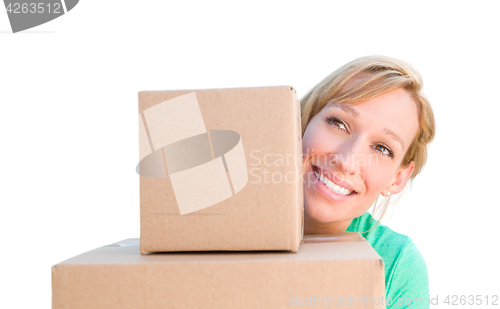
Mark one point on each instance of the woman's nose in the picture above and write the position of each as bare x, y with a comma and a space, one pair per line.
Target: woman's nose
350, 156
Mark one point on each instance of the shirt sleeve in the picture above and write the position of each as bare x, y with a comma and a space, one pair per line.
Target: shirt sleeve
408, 285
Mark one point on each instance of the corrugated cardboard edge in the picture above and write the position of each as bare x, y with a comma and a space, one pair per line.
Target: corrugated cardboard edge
299, 194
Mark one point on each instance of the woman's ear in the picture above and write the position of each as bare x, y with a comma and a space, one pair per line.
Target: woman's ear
399, 180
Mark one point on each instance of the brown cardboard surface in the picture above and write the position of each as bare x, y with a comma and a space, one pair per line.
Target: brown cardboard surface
220, 170
118, 276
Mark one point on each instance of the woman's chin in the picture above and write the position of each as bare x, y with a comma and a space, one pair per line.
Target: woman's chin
321, 213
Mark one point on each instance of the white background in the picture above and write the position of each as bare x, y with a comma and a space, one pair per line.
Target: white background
68, 129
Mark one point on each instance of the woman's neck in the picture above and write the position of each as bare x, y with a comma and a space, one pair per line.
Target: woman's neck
315, 227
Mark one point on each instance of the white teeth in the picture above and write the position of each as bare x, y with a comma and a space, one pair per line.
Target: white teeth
331, 185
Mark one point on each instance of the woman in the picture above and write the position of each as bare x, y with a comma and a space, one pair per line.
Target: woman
365, 133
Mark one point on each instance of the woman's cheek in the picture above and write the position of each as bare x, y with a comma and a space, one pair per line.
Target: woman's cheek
377, 177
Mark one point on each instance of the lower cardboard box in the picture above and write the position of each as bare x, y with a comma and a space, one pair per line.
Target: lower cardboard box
326, 271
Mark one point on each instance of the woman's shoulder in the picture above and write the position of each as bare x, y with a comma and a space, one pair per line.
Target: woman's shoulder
405, 268
390, 245
377, 234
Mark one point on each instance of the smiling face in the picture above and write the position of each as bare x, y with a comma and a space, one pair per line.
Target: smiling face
352, 154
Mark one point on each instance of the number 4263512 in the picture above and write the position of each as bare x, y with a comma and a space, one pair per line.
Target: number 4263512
34, 8
455, 300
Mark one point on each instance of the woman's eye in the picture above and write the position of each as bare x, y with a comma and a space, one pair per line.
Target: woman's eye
337, 122
384, 150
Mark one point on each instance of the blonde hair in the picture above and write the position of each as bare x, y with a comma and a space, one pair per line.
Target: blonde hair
373, 76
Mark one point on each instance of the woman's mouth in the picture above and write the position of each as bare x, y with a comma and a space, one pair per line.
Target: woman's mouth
332, 186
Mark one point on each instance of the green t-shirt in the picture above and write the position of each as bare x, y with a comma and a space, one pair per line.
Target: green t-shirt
405, 270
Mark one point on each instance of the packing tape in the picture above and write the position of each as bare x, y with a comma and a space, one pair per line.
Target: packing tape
202, 166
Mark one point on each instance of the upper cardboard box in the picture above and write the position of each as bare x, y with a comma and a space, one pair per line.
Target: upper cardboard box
220, 169
345, 272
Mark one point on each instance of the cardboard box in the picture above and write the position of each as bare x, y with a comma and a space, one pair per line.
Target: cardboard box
220, 169
345, 272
